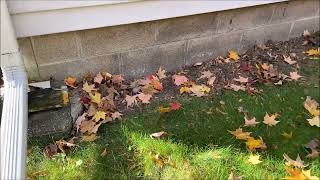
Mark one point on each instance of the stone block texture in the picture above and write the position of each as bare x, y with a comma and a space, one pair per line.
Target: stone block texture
139, 49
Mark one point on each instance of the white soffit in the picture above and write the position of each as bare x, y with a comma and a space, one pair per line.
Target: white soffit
33, 18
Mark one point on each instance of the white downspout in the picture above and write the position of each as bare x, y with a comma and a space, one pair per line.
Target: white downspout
13, 137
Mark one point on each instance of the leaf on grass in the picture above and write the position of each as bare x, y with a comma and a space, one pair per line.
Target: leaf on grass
233, 177
158, 135
95, 128
254, 144
179, 79
131, 100
175, 106
313, 52
161, 73
270, 120
50, 150
250, 122
95, 98
288, 60
295, 76
88, 88
234, 55
164, 109
254, 159
104, 152
314, 154
297, 163
235, 87
70, 81
315, 121
200, 90
287, 135
239, 134
89, 138
62, 144
312, 106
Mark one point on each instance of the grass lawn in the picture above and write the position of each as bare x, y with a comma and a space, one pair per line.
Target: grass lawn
199, 144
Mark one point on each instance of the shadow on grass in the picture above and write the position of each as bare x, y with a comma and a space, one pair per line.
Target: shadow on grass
199, 144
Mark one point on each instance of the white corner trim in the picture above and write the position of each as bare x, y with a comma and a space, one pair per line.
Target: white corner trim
40, 20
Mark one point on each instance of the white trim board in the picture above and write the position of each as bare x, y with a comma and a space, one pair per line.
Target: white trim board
33, 22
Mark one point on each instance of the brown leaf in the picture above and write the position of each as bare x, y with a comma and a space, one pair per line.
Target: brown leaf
242, 79
99, 78
50, 150
70, 81
205, 74
117, 79
79, 120
161, 73
288, 60
88, 88
87, 126
104, 152
116, 115
179, 79
131, 100
297, 163
294, 76
250, 122
270, 120
145, 98
312, 106
89, 138
158, 135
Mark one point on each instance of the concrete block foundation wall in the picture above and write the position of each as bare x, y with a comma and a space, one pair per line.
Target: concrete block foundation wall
139, 49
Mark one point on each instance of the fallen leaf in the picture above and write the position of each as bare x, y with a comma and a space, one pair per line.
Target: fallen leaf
294, 75
95, 128
88, 88
287, 135
254, 144
92, 110
131, 100
265, 66
50, 150
87, 126
313, 144
145, 98
104, 152
117, 79
250, 122
158, 135
70, 81
313, 52
198, 64
254, 159
99, 115
62, 144
98, 79
312, 106
95, 98
79, 120
161, 73
315, 121
205, 74
295, 174
234, 55
164, 109
179, 79
236, 87
270, 120
242, 79
211, 80
313, 155
185, 89
297, 163
288, 60
89, 138
239, 134
116, 115
307, 174
65, 97
157, 84
175, 106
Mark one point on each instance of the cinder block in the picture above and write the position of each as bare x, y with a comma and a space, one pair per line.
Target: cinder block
29, 59
207, 48
186, 27
312, 25
147, 61
55, 48
109, 63
244, 18
276, 32
294, 10
117, 38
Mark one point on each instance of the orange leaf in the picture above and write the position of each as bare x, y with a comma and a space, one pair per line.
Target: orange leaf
70, 81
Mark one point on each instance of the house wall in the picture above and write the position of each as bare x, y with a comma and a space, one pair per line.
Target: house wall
140, 48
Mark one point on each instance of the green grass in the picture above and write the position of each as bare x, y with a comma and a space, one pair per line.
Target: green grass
199, 145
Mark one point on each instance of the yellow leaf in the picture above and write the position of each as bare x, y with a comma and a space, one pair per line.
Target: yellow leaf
96, 97
312, 106
315, 121
65, 97
313, 52
287, 135
99, 115
88, 88
184, 90
205, 89
164, 109
233, 55
239, 134
254, 144
254, 159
